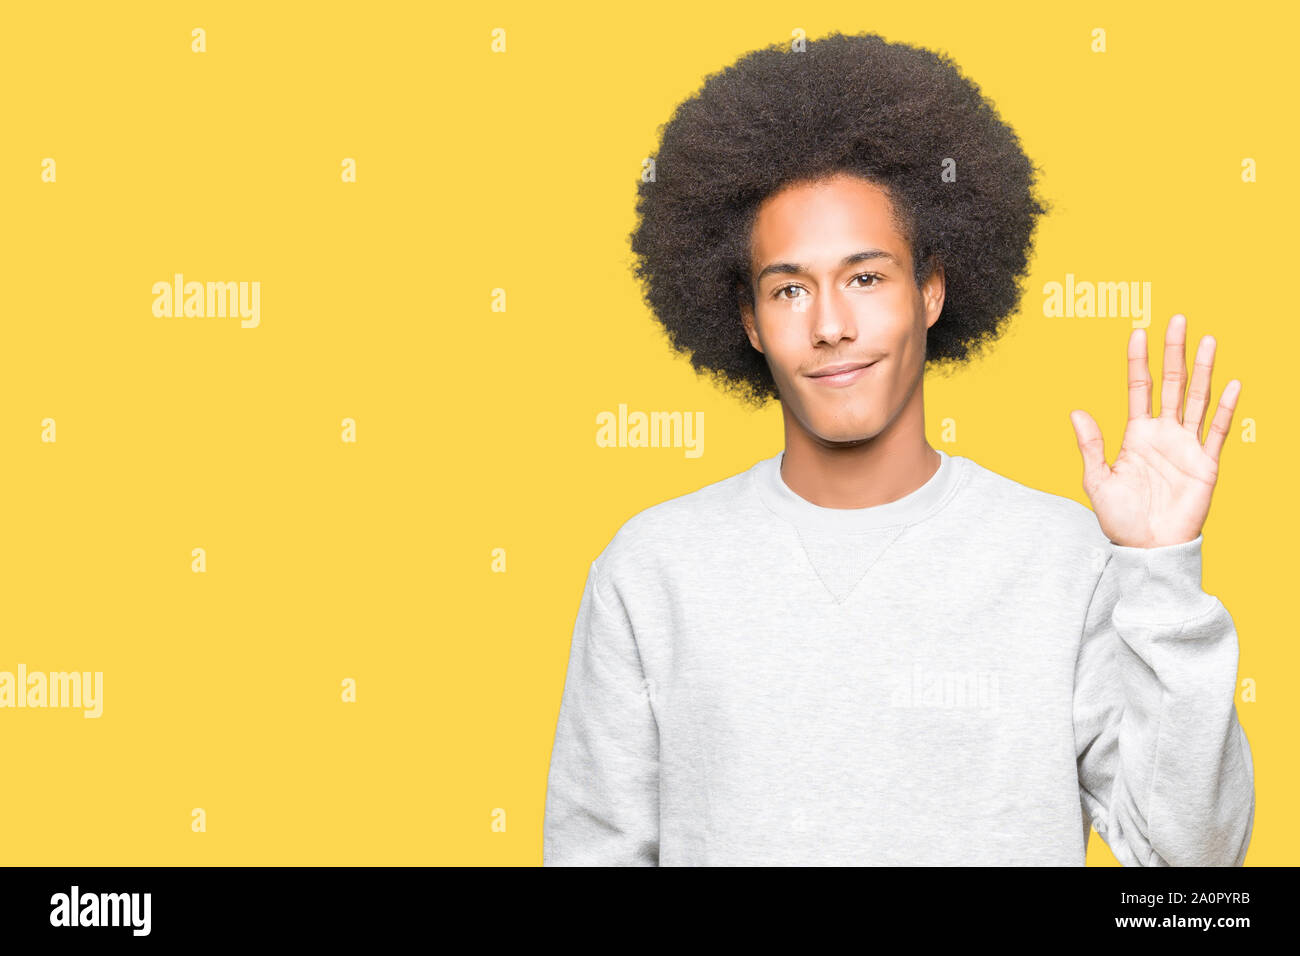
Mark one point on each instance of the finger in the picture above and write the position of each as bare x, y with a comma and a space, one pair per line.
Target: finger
1139, 376
1092, 448
1198, 392
1174, 371
1218, 432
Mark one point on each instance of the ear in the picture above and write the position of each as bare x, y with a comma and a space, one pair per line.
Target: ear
747, 318
932, 293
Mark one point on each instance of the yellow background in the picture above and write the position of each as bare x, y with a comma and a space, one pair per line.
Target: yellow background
476, 429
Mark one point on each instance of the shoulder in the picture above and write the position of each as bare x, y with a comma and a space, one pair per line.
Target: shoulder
1031, 513
675, 531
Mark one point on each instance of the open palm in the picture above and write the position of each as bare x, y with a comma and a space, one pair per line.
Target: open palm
1158, 491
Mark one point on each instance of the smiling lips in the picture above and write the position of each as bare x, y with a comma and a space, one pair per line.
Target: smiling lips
846, 373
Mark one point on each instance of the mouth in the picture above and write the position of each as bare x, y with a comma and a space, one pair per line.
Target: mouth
846, 375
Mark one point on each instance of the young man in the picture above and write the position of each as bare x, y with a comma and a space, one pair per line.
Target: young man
864, 650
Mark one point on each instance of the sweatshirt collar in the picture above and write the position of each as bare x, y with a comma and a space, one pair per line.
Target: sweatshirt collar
912, 507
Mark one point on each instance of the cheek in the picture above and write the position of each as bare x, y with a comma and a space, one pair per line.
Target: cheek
786, 344
900, 328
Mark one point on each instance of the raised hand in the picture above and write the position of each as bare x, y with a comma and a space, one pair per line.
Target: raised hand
1158, 491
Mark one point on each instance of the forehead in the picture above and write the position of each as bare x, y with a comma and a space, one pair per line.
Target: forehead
812, 222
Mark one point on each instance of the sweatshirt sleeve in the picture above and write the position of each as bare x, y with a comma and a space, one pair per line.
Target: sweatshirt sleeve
602, 795
1165, 770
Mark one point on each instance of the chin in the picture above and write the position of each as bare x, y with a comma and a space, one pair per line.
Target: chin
846, 440
841, 431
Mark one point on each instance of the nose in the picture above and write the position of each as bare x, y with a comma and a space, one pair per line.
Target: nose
832, 317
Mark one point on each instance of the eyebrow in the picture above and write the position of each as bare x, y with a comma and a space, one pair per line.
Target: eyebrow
794, 268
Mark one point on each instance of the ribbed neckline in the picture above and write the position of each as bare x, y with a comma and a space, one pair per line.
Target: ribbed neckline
785, 503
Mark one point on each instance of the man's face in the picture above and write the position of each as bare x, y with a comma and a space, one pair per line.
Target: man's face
813, 310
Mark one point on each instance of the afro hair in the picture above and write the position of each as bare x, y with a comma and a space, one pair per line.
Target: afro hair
893, 114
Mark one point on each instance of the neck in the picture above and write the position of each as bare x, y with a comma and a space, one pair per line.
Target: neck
864, 474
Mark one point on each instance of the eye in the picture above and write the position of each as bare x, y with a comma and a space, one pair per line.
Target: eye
778, 293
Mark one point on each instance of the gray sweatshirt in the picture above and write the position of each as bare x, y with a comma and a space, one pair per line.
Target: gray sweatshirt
972, 674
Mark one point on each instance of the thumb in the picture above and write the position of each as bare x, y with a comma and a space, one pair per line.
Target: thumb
1091, 447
